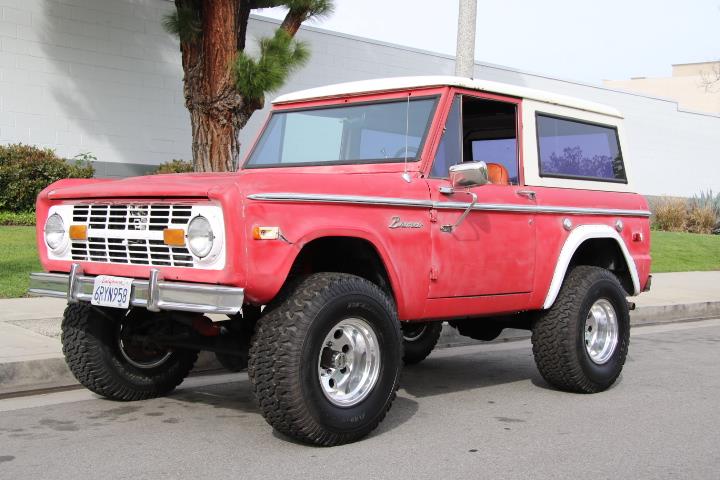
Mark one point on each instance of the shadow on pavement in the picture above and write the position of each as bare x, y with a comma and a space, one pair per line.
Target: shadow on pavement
236, 395
437, 375
444, 374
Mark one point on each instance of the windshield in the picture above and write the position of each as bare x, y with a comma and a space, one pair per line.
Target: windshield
360, 133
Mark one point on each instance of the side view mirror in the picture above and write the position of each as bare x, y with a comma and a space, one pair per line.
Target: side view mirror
473, 174
470, 174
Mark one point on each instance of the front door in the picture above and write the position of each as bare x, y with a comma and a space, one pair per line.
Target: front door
492, 252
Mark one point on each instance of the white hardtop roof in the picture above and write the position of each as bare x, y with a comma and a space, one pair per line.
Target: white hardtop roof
404, 83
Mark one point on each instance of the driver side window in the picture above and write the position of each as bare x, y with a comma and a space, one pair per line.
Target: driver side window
480, 130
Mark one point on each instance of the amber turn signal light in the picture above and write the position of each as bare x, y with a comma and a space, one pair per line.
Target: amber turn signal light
266, 233
78, 232
174, 237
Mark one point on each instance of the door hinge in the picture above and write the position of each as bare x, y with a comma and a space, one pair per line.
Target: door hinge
433, 273
433, 216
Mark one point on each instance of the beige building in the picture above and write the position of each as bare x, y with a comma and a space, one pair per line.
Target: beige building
688, 86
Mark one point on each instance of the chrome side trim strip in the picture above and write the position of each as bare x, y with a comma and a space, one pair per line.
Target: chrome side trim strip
411, 203
153, 294
351, 199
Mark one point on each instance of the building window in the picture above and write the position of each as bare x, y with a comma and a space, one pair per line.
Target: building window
579, 150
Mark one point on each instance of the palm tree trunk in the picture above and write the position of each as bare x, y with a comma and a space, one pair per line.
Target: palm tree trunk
217, 111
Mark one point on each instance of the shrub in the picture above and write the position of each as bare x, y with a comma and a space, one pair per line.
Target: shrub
701, 219
707, 199
671, 214
17, 218
704, 203
25, 170
175, 166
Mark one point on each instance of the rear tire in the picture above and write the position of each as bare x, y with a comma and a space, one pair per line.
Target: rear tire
104, 365
325, 363
581, 342
419, 340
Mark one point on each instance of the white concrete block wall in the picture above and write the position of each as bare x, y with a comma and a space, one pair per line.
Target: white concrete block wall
97, 76
102, 76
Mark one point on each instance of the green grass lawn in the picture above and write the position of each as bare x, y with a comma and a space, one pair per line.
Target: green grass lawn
671, 252
684, 252
18, 257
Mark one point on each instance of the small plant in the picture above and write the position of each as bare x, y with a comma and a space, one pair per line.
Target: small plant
175, 166
671, 215
85, 157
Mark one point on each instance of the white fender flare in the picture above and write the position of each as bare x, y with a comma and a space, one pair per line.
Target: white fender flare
574, 240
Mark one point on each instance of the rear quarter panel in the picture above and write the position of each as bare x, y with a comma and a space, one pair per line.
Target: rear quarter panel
572, 193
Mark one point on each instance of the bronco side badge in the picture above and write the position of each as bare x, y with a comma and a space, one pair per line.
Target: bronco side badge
395, 222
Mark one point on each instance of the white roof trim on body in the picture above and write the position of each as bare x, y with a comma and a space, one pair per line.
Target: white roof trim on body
404, 83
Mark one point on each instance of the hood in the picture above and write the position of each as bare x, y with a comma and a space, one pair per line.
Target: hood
157, 186
336, 179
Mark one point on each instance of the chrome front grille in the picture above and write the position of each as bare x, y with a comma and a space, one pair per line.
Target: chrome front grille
132, 217
130, 234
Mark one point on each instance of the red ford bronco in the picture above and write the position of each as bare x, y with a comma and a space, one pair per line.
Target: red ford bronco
364, 216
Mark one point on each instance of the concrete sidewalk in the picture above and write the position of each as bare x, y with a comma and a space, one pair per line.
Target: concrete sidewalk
31, 355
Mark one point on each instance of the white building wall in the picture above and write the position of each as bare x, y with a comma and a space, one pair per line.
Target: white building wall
97, 76
102, 76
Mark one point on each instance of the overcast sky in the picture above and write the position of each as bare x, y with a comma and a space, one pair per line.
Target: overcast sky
571, 39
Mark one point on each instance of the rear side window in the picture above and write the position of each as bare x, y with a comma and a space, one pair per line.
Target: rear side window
579, 150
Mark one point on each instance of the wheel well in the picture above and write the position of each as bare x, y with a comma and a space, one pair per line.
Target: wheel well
352, 255
605, 253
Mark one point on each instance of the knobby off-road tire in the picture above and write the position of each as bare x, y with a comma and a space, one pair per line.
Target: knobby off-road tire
559, 335
92, 352
296, 337
419, 340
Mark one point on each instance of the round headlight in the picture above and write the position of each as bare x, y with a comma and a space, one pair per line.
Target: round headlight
200, 236
54, 231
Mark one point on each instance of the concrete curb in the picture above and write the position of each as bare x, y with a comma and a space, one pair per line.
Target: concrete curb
52, 373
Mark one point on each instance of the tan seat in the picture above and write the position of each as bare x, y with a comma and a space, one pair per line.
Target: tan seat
498, 174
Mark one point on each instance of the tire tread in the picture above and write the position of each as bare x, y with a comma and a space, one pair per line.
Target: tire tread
554, 335
274, 364
87, 354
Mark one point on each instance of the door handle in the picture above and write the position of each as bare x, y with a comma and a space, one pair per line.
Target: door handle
526, 193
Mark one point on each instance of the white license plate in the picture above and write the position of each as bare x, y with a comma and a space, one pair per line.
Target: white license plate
111, 291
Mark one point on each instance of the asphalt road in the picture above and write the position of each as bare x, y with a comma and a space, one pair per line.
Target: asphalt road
468, 412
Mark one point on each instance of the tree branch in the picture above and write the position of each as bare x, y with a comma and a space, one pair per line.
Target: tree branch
711, 79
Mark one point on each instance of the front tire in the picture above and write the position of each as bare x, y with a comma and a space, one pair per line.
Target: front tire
581, 342
325, 363
100, 360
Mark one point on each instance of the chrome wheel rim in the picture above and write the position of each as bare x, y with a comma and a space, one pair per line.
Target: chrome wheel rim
601, 331
412, 332
349, 362
141, 357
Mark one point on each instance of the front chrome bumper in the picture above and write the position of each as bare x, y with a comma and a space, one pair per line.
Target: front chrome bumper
153, 294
